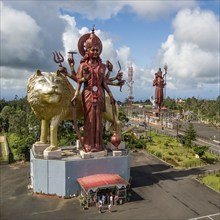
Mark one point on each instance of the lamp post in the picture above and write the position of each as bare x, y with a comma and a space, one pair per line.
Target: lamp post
177, 128
149, 129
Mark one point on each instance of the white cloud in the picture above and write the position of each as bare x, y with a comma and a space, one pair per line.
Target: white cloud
159, 8
13, 82
20, 36
70, 36
108, 9
192, 51
95, 9
197, 27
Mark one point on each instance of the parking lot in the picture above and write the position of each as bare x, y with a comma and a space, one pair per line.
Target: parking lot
158, 192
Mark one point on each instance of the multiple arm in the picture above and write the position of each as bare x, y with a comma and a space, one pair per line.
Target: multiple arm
118, 77
105, 86
83, 75
64, 71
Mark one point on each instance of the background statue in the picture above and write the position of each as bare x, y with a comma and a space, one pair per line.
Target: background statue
159, 83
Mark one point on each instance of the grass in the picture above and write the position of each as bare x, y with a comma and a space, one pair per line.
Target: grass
170, 150
211, 180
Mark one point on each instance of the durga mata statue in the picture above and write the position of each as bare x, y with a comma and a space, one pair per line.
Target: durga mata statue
93, 78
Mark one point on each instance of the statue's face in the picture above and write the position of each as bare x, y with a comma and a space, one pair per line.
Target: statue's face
94, 52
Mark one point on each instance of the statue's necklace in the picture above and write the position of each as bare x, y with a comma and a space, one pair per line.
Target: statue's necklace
95, 79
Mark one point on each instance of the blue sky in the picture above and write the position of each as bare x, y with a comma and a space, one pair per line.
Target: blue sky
141, 34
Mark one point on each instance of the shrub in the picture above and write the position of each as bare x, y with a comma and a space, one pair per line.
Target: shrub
210, 158
166, 144
171, 153
158, 154
20, 146
200, 150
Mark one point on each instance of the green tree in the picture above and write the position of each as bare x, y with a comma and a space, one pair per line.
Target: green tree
3, 103
18, 123
5, 116
20, 146
34, 123
122, 116
170, 103
190, 135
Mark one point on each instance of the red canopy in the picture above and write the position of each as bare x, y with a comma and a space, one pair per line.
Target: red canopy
100, 181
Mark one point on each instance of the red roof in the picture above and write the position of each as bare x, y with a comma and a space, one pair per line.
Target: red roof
101, 180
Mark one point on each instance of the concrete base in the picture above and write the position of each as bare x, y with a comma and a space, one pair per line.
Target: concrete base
87, 155
52, 154
38, 149
121, 146
117, 153
78, 145
59, 176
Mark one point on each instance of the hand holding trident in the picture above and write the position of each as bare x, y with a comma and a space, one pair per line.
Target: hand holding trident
58, 58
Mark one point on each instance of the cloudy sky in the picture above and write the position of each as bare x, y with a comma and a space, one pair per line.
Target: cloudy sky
184, 34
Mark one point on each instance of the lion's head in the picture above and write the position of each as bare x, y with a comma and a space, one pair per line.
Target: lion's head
49, 94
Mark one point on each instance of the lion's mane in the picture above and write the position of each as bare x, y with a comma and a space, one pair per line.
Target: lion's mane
39, 85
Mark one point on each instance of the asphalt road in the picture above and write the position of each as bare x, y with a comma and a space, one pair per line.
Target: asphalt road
158, 192
204, 130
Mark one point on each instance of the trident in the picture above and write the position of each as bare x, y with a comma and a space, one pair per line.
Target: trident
58, 58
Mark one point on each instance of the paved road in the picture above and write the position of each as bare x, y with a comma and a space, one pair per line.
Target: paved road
159, 192
205, 131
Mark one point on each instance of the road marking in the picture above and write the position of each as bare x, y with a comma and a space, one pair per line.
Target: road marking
206, 142
205, 216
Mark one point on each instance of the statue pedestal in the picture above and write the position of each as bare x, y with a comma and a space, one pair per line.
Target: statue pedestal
58, 176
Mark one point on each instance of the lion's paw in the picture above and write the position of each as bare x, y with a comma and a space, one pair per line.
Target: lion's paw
40, 142
51, 148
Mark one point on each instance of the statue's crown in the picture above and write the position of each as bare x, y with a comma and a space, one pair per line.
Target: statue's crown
93, 40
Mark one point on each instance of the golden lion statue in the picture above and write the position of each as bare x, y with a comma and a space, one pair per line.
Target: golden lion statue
49, 95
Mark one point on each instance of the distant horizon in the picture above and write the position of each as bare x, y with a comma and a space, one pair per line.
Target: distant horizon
135, 100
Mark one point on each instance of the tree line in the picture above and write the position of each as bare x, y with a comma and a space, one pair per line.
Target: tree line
22, 127
205, 110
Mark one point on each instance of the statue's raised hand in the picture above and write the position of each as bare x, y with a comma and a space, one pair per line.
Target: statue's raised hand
71, 61
63, 70
119, 76
109, 65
